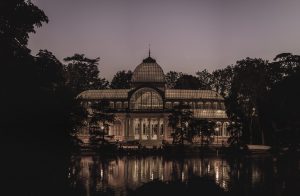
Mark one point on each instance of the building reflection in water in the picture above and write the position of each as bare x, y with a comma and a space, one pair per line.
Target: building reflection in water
95, 175
91, 175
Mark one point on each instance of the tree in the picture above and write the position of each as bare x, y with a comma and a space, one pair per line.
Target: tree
171, 78
221, 80
235, 130
186, 81
83, 73
194, 129
179, 120
282, 106
207, 130
288, 63
121, 80
15, 27
257, 89
247, 95
99, 122
50, 70
205, 78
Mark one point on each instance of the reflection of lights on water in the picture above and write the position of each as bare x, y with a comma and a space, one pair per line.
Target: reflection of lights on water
255, 175
217, 174
134, 172
101, 173
275, 170
224, 185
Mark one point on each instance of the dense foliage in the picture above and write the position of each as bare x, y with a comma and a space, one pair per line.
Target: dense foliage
121, 80
260, 97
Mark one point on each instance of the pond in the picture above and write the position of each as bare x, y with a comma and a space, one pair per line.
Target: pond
251, 175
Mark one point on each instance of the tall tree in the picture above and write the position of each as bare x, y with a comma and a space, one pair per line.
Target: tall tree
52, 79
83, 73
205, 78
179, 121
207, 130
121, 80
186, 81
288, 63
235, 131
222, 79
202, 128
284, 111
282, 105
246, 95
18, 18
255, 85
171, 78
37, 115
100, 121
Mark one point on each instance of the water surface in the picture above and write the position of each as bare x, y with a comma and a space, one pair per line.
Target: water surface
254, 175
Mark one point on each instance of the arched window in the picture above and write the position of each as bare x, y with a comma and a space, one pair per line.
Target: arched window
118, 104
192, 105
125, 104
222, 106
168, 105
200, 105
218, 129
111, 104
214, 105
207, 105
225, 131
146, 99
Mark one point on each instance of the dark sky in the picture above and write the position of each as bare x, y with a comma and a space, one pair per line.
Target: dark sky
185, 35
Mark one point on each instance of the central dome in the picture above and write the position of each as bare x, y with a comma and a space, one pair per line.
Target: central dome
148, 71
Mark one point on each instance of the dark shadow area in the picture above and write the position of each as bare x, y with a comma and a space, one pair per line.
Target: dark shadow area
194, 186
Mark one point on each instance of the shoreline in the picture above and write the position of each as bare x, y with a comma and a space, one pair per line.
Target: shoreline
177, 151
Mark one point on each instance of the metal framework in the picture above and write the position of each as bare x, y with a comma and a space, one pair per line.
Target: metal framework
143, 110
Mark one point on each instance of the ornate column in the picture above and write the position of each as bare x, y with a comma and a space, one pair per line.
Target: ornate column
165, 127
131, 127
126, 128
149, 128
141, 129
122, 132
159, 136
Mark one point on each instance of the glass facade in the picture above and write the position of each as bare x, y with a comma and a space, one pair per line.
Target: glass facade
148, 72
143, 110
146, 99
148, 128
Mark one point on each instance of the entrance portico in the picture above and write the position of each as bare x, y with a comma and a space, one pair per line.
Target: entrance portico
146, 127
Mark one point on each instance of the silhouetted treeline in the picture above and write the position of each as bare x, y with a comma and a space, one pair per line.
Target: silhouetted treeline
260, 97
40, 112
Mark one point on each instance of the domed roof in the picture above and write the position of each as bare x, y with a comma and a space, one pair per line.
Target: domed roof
148, 71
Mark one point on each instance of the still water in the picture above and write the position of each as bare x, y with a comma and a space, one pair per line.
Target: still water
260, 175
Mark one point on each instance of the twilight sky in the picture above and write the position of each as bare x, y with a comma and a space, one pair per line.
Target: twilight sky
185, 35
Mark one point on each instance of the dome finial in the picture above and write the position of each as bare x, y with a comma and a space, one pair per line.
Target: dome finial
149, 59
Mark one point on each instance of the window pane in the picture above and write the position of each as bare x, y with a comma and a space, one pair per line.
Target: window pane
146, 99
